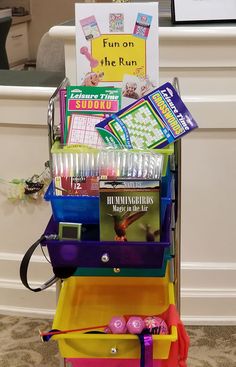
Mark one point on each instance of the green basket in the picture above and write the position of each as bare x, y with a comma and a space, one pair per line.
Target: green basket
126, 272
57, 148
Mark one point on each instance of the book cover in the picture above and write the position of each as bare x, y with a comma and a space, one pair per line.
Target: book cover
154, 121
76, 185
117, 45
89, 101
129, 210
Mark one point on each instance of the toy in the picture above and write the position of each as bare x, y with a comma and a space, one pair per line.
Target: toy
117, 325
156, 325
135, 325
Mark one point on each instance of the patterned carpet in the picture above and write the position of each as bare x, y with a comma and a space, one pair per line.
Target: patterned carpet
20, 345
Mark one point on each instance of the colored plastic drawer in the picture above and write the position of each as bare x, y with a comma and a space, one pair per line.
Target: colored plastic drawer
125, 272
85, 209
74, 209
166, 191
97, 254
88, 302
102, 362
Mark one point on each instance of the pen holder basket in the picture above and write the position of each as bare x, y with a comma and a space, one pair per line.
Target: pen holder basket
62, 156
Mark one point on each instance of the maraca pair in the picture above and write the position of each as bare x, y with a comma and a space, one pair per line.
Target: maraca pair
136, 325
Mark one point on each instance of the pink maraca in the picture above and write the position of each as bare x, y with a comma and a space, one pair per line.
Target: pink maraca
117, 325
93, 62
135, 325
156, 325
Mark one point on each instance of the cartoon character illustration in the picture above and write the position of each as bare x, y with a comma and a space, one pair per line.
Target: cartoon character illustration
92, 79
130, 90
122, 222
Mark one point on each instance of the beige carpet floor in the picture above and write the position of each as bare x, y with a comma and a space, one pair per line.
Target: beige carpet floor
20, 345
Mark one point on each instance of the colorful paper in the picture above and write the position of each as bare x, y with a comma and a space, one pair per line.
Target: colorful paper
125, 43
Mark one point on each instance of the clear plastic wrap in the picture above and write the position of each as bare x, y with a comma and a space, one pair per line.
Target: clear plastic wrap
86, 162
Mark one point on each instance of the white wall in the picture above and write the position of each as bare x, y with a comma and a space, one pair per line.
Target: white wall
23, 152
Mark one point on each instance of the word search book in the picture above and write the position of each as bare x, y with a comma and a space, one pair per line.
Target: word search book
117, 45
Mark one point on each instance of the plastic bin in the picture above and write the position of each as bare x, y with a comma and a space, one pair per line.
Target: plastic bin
108, 254
74, 209
85, 209
166, 191
127, 272
108, 362
57, 148
86, 302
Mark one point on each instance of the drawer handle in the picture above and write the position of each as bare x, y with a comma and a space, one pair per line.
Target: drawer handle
114, 350
105, 258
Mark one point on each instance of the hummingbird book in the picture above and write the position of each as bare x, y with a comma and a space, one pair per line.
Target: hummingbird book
130, 210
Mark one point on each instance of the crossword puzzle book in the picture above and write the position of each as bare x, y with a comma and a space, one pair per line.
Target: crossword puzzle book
154, 121
129, 210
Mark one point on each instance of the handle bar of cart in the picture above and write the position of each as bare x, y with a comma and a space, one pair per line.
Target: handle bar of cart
53, 130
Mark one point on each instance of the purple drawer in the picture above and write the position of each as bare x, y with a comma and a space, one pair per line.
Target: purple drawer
66, 254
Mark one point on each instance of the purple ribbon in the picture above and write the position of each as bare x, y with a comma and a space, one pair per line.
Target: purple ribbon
146, 343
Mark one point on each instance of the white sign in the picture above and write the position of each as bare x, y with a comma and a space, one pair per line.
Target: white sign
203, 10
117, 45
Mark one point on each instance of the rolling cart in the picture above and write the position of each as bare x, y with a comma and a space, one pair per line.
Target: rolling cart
104, 279
175, 169
171, 265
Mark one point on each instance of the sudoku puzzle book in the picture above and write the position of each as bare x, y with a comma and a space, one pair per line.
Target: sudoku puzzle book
117, 45
85, 107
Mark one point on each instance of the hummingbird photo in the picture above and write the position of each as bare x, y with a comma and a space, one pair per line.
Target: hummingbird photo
123, 221
150, 234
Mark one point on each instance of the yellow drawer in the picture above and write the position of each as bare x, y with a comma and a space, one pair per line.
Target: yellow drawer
86, 302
